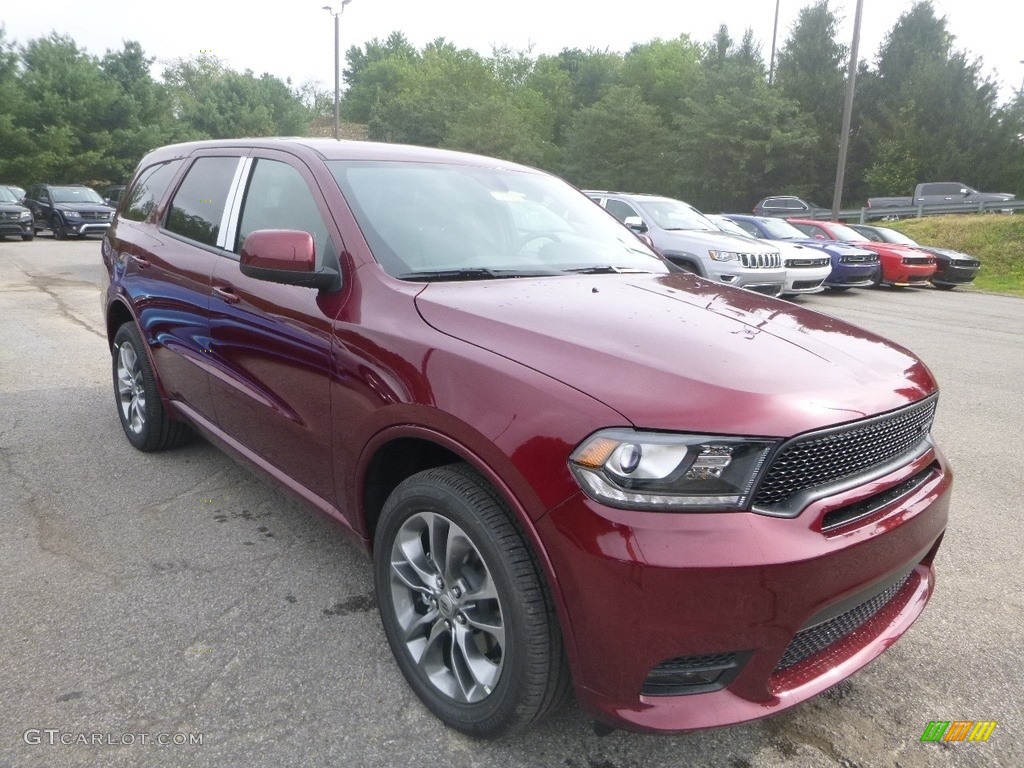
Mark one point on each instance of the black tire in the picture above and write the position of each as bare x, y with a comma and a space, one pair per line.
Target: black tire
449, 630
876, 279
58, 230
143, 416
28, 237
944, 286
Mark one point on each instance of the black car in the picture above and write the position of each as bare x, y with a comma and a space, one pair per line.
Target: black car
15, 218
952, 268
787, 205
68, 210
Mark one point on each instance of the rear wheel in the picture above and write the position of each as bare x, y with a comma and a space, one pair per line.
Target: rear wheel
143, 416
463, 605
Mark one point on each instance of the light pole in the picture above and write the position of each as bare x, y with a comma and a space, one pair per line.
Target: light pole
1022, 79
775, 34
337, 60
844, 137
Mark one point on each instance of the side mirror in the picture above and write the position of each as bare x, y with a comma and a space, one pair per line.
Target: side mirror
286, 256
965, 192
635, 223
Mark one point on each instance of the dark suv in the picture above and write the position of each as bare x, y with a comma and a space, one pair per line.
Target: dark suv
15, 218
570, 462
68, 210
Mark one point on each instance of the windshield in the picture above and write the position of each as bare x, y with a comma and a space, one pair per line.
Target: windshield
6, 196
730, 226
779, 229
74, 195
845, 233
892, 236
428, 221
675, 214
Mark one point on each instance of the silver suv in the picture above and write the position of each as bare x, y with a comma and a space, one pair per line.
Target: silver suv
687, 238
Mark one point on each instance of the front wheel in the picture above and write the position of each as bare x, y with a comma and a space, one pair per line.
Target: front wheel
944, 286
29, 236
143, 416
463, 605
58, 229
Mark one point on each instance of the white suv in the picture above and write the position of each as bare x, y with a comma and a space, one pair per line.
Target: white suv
687, 238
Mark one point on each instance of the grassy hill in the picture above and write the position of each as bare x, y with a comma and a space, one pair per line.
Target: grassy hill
996, 239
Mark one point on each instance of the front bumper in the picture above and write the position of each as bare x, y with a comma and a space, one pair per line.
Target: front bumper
895, 272
641, 589
806, 279
9, 226
954, 274
82, 228
852, 275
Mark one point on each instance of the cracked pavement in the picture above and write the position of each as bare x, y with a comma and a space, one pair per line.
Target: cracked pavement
178, 593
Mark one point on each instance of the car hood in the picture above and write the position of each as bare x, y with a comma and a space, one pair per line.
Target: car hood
949, 254
12, 208
698, 240
837, 247
680, 353
84, 207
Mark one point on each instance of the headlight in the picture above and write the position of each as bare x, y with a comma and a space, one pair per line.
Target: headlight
72, 214
668, 472
724, 255
25, 215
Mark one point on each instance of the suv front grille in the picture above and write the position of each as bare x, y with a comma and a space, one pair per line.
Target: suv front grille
761, 260
811, 640
820, 458
95, 215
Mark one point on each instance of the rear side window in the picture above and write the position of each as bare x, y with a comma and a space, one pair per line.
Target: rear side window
620, 210
277, 197
198, 206
147, 191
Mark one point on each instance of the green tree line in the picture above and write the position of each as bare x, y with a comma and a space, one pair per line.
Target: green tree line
69, 116
695, 120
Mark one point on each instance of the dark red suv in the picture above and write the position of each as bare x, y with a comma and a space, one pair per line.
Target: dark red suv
569, 462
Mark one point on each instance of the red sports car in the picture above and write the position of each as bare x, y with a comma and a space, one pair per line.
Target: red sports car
901, 264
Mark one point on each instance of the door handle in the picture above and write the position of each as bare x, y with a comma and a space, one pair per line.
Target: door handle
140, 261
227, 294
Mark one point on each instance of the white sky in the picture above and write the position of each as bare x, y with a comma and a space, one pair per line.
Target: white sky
295, 39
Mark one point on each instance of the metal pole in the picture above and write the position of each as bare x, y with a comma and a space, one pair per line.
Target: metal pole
337, 73
844, 137
775, 33
1022, 79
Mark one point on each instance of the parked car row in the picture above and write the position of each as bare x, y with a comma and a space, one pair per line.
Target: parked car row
784, 256
66, 210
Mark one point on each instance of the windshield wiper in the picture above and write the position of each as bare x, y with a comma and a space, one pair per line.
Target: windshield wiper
473, 273
607, 270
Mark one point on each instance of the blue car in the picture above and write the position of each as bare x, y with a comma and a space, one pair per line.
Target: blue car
852, 267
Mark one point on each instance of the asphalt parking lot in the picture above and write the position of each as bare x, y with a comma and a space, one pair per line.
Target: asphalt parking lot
178, 596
